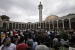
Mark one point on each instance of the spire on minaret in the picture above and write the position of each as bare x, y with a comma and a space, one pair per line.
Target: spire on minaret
40, 3
40, 6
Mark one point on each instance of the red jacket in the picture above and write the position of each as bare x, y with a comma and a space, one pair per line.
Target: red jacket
21, 46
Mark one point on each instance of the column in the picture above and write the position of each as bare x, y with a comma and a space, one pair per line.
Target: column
63, 23
1, 24
30, 25
40, 25
36, 25
8, 25
26, 25
18, 25
45, 25
33, 25
69, 23
53, 24
15, 26
21, 25
57, 24
49, 25
12, 25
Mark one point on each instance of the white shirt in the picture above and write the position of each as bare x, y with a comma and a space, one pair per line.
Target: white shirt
41, 47
11, 47
11, 33
48, 32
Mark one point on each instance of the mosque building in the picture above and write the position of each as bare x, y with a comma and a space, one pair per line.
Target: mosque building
51, 22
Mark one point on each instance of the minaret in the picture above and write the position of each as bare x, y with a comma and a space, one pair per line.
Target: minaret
40, 7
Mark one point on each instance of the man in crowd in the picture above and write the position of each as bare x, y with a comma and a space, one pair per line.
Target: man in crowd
7, 45
72, 41
22, 45
41, 47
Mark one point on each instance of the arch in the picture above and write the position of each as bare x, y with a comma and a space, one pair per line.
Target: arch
10, 25
51, 25
13, 25
16, 25
29, 26
55, 24
19, 26
44, 25
37, 25
4, 25
60, 24
41, 25
66, 24
73, 23
47, 25
26, 26
1, 23
22, 26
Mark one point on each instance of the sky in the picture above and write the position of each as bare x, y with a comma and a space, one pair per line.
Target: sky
27, 10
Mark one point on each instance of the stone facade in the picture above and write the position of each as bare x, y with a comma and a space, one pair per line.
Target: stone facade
67, 22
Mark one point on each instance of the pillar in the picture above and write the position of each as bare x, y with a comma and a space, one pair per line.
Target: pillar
12, 25
69, 23
8, 25
21, 25
15, 26
63, 23
57, 24
49, 25
40, 25
45, 25
53, 24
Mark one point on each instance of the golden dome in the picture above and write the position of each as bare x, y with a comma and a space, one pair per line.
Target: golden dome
51, 18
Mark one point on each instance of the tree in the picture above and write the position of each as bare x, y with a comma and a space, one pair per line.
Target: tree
4, 17
70, 14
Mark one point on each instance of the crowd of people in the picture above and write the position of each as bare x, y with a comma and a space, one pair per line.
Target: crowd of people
35, 39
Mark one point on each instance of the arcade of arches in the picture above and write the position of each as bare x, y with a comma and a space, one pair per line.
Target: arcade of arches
67, 22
